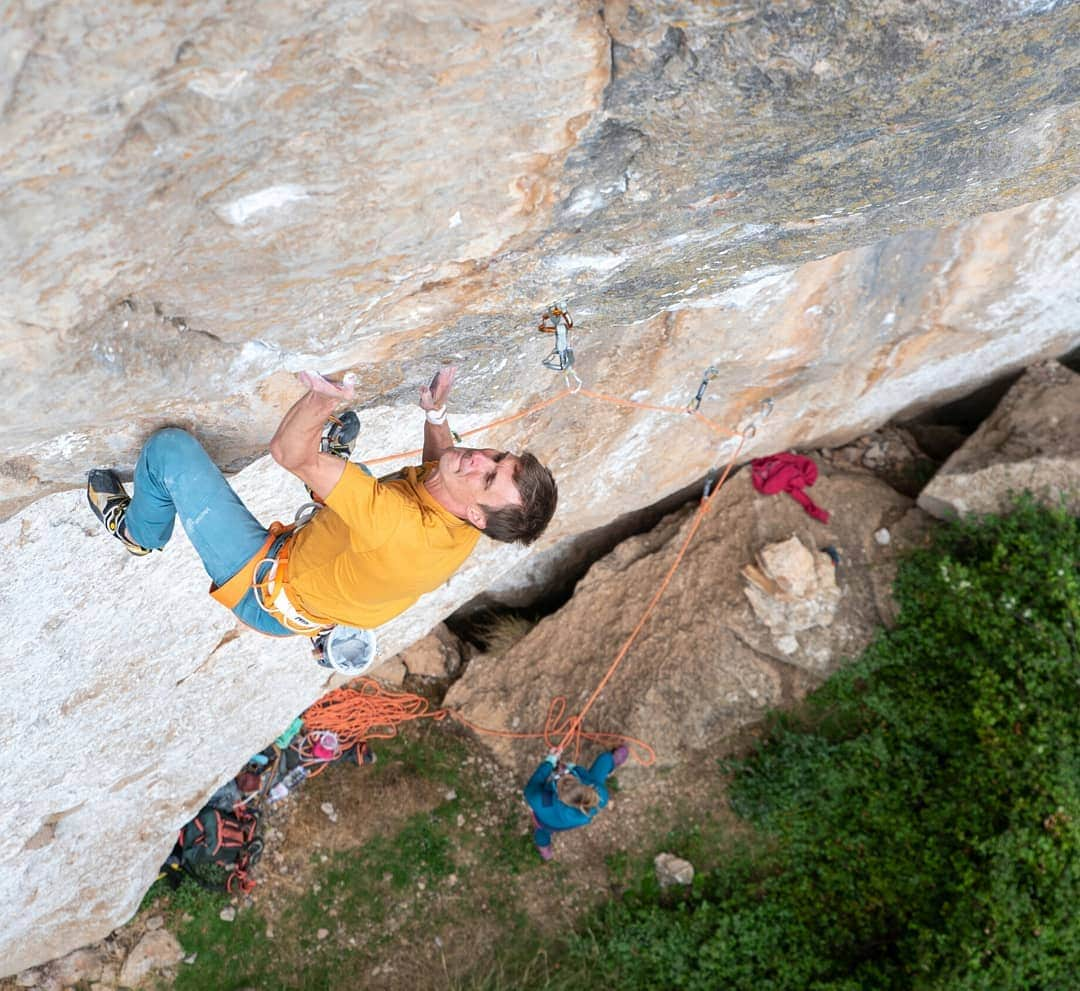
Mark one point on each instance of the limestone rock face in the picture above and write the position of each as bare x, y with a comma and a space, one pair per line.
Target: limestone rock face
1031, 442
705, 665
203, 197
853, 209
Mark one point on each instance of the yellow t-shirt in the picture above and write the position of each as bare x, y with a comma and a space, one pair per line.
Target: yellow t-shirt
374, 549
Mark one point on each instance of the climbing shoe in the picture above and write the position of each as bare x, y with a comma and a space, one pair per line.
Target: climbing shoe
340, 434
619, 755
109, 502
338, 438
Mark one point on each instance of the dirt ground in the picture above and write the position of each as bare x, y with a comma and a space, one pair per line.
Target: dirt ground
464, 926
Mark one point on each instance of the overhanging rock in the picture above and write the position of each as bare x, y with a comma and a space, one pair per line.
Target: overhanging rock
205, 197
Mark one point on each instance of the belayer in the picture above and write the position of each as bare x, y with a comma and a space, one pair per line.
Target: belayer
371, 550
563, 795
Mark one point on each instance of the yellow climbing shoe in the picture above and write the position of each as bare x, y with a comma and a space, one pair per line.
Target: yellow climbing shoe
109, 502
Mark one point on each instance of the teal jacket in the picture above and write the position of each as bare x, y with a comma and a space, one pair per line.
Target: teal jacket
543, 800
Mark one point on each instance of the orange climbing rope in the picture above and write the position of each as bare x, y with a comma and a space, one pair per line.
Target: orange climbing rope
366, 710
551, 401
572, 734
359, 712
476, 430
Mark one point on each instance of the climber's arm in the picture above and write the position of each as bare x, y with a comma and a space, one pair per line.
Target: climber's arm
437, 436
295, 445
535, 786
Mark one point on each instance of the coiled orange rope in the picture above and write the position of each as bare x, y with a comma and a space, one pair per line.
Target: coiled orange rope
366, 710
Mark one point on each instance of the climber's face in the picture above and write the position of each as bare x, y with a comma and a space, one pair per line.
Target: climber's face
476, 479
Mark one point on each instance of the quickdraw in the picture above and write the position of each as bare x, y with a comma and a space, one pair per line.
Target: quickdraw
695, 404
765, 409
557, 320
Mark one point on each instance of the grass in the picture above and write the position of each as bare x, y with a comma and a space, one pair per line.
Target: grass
392, 890
498, 631
392, 898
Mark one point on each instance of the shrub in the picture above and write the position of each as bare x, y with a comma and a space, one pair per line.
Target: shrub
918, 822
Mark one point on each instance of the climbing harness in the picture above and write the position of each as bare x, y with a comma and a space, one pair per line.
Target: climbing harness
695, 404
345, 649
265, 575
270, 576
557, 320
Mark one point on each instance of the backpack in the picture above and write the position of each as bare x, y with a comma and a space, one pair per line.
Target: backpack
218, 848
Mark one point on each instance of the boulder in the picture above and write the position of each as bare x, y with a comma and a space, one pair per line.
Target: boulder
706, 664
1030, 443
435, 656
82, 966
792, 588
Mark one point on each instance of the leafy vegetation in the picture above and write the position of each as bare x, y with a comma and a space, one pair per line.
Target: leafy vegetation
918, 821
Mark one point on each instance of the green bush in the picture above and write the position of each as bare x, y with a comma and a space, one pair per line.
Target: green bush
918, 822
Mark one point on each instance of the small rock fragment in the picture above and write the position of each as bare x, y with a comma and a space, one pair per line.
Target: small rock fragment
672, 870
157, 949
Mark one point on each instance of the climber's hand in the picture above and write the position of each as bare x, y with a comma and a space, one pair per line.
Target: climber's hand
553, 756
434, 396
343, 391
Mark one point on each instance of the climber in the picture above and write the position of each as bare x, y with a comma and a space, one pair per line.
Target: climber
368, 555
563, 795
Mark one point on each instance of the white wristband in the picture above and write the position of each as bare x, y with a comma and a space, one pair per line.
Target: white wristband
436, 416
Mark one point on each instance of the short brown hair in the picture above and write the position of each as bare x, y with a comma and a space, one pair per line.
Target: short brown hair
539, 496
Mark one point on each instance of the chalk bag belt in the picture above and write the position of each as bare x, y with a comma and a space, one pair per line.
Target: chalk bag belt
268, 583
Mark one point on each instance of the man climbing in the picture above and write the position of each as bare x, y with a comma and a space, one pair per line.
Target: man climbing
372, 549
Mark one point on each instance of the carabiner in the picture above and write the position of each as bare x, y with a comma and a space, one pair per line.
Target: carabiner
695, 404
